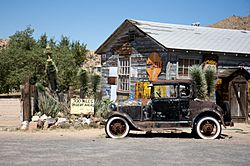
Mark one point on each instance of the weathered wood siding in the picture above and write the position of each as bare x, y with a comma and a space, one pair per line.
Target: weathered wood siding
135, 44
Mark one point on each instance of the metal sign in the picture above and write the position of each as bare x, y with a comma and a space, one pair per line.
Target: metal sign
155, 62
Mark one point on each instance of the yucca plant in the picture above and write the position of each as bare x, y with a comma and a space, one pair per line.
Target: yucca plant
47, 103
210, 78
198, 76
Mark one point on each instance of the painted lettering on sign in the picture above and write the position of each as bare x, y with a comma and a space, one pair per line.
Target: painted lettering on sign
82, 106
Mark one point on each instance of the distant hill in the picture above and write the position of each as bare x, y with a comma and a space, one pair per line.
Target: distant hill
234, 22
4, 43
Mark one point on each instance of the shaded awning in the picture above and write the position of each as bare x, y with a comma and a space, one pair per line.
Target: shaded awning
231, 73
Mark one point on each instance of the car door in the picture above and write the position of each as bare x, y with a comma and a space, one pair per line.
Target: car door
165, 103
185, 97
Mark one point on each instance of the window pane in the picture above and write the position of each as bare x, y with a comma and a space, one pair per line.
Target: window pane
186, 71
181, 62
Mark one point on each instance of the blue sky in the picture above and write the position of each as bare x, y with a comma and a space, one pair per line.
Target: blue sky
92, 21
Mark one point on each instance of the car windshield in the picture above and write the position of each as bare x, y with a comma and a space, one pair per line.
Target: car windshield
165, 91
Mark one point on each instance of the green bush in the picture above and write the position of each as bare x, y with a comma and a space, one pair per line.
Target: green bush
198, 76
102, 108
210, 78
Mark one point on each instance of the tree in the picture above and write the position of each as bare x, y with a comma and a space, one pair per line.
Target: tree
25, 56
79, 52
19, 60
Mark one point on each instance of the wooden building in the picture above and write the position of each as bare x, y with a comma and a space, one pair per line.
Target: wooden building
140, 51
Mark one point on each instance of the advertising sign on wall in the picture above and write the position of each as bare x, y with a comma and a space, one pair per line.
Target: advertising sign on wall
142, 90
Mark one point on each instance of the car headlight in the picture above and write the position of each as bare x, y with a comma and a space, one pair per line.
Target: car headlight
113, 107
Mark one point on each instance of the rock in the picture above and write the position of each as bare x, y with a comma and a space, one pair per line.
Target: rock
51, 121
60, 120
40, 124
43, 117
38, 114
60, 114
35, 118
95, 119
83, 120
88, 121
45, 125
73, 117
32, 125
24, 125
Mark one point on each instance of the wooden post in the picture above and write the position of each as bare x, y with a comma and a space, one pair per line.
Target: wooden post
26, 101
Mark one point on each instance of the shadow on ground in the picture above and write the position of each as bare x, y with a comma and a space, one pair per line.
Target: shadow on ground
161, 135
172, 135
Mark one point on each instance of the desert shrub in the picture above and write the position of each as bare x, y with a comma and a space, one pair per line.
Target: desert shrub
102, 108
198, 76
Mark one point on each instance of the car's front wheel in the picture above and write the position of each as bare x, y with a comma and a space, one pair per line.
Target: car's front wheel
208, 128
117, 127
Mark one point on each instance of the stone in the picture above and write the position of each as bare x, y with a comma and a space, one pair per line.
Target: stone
60, 120
43, 117
60, 114
35, 118
32, 125
40, 124
38, 114
51, 121
95, 119
83, 120
86, 121
45, 125
24, 125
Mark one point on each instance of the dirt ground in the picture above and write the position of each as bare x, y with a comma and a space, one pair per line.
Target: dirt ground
239, 132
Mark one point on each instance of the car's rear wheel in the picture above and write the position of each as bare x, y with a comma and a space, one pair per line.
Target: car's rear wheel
117, 127
208, 128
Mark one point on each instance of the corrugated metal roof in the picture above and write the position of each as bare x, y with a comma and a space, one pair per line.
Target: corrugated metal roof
196, 38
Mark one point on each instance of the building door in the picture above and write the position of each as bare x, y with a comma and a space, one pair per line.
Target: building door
238, 99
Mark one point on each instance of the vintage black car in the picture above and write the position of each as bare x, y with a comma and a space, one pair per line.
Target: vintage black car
172, 106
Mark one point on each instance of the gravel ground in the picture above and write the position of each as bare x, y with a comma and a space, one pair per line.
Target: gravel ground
91, 147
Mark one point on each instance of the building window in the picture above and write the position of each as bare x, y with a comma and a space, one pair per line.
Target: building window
124, 72
184, 66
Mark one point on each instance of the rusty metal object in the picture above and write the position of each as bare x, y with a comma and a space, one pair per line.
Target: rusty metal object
181, 110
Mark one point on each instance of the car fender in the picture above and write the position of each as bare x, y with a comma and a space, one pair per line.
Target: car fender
206, 112
126, 117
